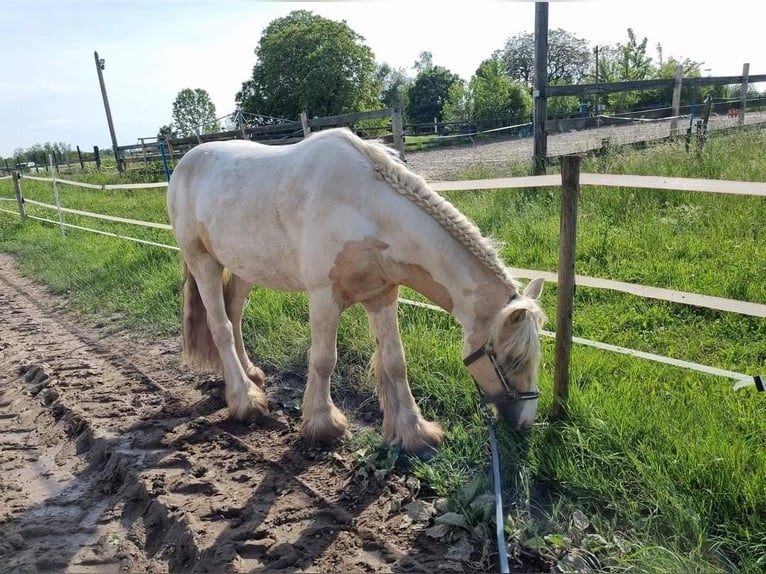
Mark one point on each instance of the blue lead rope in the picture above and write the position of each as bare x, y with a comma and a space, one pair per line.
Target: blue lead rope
499, 519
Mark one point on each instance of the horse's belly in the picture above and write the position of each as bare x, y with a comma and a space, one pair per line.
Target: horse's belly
275, 266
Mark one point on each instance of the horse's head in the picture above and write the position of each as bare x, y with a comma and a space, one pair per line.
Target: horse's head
505, 369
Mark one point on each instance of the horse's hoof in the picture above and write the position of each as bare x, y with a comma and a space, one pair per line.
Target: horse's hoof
257, 376
423, 442
326, 427
254, 405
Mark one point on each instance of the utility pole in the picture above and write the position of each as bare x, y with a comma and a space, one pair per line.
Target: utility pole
99, 69
541, 79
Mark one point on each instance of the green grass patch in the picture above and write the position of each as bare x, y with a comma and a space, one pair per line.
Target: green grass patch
656, 468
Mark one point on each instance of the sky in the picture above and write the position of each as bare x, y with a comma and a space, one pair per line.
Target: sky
49, 89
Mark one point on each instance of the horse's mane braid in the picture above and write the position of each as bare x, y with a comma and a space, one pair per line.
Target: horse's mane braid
415, 188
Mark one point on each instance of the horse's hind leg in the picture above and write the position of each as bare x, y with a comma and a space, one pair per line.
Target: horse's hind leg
236, 291
402, 422
322, 420
243, 398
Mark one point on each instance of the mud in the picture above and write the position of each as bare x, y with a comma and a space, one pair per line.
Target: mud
114, 458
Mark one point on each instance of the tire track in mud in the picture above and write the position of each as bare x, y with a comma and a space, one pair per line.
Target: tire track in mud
115, 458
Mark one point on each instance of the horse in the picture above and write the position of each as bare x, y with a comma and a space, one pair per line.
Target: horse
346, 221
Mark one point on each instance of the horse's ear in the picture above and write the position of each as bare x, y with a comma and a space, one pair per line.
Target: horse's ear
534, 289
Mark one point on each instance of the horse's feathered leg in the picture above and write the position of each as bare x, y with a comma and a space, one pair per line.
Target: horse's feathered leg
322, 420
243, 398
403, 424
236, 291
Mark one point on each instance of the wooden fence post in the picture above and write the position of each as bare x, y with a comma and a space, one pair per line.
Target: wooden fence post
97, 156
397, 128
19, 200
143, 150
305, 124
743, 93
539, 93
570, 191
676, 100
79, 157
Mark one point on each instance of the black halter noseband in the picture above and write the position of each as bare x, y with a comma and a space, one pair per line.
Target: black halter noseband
508, 393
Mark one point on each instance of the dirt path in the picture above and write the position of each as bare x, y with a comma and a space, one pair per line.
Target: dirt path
115, 458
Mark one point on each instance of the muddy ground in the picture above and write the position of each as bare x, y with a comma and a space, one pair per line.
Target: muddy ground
114, 457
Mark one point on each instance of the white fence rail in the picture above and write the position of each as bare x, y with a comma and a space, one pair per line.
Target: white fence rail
631, 181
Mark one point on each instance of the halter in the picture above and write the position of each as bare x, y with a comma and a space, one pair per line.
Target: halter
505, 392
480, 361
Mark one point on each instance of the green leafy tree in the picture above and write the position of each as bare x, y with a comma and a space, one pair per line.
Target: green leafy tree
305, 62
194, 113
428, 94
394, 84
166, 131
459, 104
667, 69
496, 98
569, 58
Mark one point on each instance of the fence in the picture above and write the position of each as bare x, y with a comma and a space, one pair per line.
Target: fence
284, 132
570, 181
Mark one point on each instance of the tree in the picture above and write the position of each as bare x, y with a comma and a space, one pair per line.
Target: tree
429, 93
569, 57
194, 113
166, 132
424, 62
305, 62
459, 104
394, 84
496, 97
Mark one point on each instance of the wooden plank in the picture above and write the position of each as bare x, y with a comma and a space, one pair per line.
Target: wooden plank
685, 298
570, 192
497, 183
752, 188
676, 183
656, 84
585, 89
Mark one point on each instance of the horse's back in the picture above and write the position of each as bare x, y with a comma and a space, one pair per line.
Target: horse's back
262, 210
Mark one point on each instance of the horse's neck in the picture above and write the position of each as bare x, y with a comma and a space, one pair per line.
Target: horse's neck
459, 283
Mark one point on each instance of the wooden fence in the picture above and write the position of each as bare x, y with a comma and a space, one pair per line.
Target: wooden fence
676, 83
274, 134
570, 182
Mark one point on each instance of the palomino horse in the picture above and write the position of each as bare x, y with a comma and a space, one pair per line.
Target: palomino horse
344, 220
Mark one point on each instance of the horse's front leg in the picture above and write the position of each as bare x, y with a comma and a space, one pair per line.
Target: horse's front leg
322, 420
403, 423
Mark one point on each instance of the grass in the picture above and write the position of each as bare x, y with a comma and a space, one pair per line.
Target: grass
656, 468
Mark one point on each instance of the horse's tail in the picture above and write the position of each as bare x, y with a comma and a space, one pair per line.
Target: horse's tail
199, 350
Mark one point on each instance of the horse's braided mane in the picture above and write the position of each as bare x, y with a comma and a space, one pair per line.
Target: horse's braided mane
415, 188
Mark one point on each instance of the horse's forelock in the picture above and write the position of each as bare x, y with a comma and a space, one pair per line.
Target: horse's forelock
516, 335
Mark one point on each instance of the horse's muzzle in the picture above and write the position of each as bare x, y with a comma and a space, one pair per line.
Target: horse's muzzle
518, 414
